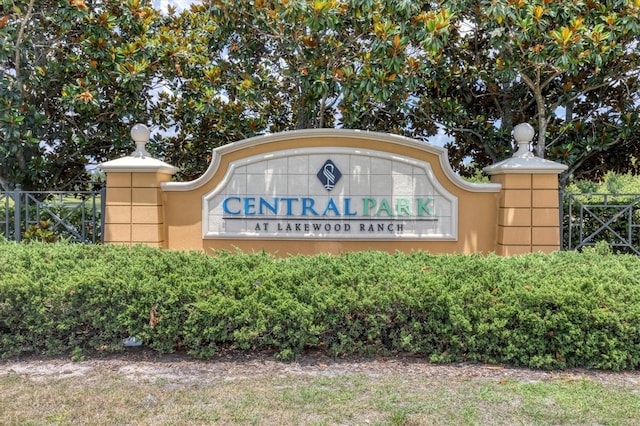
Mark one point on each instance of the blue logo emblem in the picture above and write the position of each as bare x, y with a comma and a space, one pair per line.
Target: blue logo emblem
329, 175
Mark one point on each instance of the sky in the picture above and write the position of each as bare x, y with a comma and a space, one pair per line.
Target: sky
178, 4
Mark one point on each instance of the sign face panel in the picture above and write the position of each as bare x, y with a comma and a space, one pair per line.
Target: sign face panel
330, 193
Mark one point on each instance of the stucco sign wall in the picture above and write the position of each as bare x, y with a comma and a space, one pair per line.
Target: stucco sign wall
330, 192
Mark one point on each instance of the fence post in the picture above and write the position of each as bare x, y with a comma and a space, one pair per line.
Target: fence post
134, 210
528, 209
17, 208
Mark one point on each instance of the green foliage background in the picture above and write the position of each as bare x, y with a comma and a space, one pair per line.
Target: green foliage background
76, 75
605, 210
544, 311
611, 183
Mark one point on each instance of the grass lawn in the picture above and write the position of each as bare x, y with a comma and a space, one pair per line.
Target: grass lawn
128, 395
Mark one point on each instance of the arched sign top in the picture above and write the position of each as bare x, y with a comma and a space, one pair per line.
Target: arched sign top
330, 192
360, 139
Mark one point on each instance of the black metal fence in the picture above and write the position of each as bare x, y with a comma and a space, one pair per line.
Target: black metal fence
76, 216
589, 218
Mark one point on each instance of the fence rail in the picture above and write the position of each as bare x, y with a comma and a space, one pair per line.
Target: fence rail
589, 218
77, 216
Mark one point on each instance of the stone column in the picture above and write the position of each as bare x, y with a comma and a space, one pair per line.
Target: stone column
528, 216
134, 202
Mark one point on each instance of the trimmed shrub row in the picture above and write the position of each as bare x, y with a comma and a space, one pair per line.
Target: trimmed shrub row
543, 311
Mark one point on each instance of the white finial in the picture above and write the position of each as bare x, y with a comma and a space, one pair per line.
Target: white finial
523, 134
140, 135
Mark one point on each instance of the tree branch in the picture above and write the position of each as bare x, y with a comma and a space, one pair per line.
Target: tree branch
4, 184
23, 26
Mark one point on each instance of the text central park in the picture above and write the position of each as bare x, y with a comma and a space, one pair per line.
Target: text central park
310, 207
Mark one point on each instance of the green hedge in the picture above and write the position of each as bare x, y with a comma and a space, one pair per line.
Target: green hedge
544, 311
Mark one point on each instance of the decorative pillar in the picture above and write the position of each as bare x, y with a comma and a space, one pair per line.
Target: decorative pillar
528, 217
134, 202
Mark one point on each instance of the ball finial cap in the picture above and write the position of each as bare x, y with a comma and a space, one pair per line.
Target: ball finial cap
523, 132
140, 133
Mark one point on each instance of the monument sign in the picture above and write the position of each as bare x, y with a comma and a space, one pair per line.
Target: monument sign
330, 191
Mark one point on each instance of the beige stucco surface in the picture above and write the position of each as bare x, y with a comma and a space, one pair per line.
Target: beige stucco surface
517, 213
477, 211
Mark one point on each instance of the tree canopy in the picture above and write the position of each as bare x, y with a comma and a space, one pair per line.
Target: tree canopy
238, 69
75, 76
572, 69
78, 74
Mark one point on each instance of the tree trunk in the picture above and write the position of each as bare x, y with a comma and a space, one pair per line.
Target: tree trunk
536, 88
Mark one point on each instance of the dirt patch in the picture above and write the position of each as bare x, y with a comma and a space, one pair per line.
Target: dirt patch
147, 366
